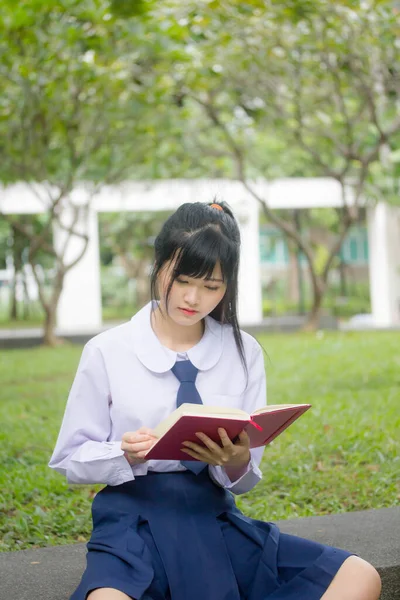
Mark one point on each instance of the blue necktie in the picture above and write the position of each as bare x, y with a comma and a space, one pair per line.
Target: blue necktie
186, 373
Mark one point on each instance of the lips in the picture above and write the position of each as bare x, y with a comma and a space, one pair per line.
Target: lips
187, 311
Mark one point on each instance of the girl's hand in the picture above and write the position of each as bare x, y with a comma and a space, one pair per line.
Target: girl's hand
234, 457
136, 443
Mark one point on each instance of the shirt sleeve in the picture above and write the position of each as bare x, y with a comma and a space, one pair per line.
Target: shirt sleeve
255, 397
82, 452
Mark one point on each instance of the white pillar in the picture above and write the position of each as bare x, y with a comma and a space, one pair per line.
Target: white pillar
79, 309
384, 264
250, 293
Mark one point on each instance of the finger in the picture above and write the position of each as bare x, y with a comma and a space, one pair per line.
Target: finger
131, 438
134, 460
201, 452
208, 459
204, 451
195, 447
135, 437
225, 439
192, 453
196, 456
141, 454
205, 454
145, 430
244, 439
209, 443
137, 447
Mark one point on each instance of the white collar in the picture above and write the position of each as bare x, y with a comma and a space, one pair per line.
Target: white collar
156, 357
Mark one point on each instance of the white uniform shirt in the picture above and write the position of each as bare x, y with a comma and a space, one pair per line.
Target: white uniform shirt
124, 381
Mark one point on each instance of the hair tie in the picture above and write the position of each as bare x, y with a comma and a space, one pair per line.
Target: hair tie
217, 206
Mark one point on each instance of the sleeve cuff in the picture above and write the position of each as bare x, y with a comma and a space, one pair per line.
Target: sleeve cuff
108, 466
123, 470
242, 485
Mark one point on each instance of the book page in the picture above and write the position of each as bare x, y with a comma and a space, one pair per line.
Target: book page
275, 407
201, 409
197, 409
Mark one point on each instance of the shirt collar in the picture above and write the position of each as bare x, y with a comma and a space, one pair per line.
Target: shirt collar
159, 359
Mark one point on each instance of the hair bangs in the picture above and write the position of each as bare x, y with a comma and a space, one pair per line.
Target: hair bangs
195, 238
201, 252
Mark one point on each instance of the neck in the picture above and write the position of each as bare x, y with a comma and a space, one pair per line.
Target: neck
175, 337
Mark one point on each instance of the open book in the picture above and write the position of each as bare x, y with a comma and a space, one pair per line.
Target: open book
262, 426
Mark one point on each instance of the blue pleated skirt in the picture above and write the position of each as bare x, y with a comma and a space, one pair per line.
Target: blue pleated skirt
178, 536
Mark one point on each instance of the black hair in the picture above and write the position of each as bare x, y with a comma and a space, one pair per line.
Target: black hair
198, 236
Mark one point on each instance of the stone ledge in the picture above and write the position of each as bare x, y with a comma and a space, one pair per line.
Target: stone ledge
372, 534
53, 573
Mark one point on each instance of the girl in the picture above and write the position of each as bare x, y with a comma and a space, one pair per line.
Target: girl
169, 530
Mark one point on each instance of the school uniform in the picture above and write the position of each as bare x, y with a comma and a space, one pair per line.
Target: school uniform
160, 531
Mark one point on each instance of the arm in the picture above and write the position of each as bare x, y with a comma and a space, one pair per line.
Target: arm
240, 481
82, 452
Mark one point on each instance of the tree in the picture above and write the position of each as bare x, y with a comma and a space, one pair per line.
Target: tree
321, 77
70, 109
130, 238
18, 251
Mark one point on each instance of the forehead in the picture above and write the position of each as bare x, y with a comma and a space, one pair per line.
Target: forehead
216, 275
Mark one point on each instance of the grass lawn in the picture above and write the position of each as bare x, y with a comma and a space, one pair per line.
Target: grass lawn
343, 455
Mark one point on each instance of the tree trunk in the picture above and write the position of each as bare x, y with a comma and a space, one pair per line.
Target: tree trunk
27, 300
18, 268
299, 268
50, 308
343, 280
13, 303
319, 282
49, 336
293, 289
313, 319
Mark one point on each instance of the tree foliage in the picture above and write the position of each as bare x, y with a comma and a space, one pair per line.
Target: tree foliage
100, 90
320, 82
75, 100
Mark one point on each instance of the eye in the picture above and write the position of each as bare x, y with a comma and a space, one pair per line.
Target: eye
181, 280
213, 289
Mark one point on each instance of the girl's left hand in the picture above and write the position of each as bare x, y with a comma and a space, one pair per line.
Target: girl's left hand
227, 455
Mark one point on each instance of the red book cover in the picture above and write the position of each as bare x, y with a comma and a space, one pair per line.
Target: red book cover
271, 424
262, 428
168, 447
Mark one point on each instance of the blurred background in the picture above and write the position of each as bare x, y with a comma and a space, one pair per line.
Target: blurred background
98, 93
112, 113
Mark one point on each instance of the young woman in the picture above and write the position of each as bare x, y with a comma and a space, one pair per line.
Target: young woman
167, 529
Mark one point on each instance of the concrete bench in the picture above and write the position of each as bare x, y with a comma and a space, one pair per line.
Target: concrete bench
53, 573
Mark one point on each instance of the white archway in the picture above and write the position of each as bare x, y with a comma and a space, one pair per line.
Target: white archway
80, 303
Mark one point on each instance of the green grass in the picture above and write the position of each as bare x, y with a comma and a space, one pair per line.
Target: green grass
343, 455
36, 318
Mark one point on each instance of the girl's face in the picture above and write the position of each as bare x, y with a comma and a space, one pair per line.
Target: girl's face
191, 299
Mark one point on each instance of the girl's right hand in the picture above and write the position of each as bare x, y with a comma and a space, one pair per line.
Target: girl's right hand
136, 443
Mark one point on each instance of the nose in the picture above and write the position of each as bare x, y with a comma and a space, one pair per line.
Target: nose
191, 296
